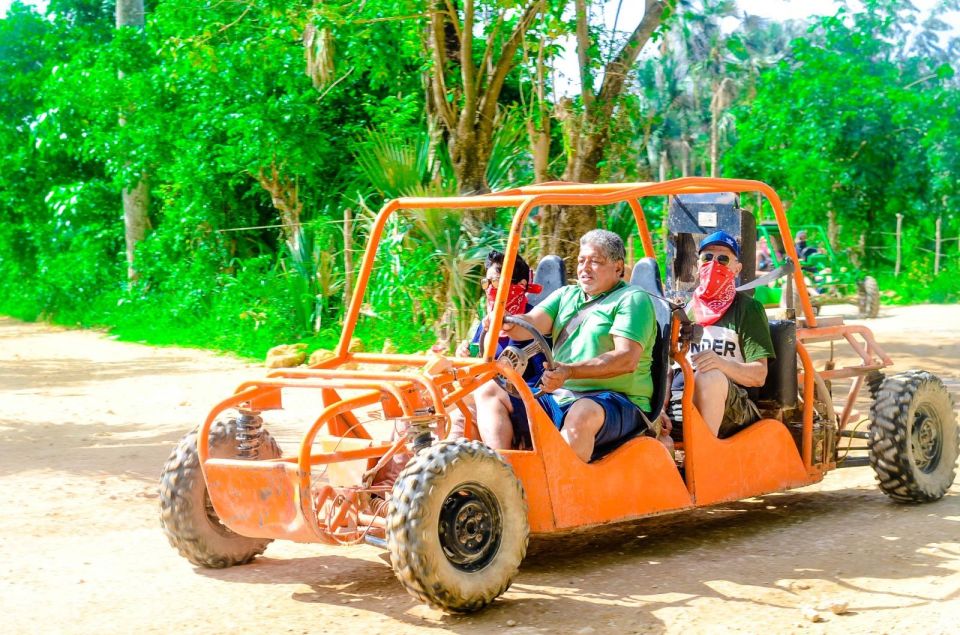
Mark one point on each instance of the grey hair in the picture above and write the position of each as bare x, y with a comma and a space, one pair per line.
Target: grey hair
609, 243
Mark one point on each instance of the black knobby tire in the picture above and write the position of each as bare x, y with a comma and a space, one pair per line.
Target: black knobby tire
913, 440
868, 297
457, 526
186, 513
874, 380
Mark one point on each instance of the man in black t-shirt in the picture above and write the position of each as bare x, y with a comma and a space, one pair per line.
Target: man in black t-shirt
736, 343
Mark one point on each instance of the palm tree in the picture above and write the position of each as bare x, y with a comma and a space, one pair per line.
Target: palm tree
427, 255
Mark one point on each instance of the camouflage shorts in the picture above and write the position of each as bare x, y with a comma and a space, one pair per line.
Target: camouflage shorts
738, 411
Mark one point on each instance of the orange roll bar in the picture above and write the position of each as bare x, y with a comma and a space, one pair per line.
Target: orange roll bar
808, 399
526, 198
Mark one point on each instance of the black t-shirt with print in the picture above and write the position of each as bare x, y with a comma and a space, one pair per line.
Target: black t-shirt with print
742, 333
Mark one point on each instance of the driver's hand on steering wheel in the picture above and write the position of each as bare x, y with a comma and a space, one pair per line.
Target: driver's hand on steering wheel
505, 328
553, 379
485, 321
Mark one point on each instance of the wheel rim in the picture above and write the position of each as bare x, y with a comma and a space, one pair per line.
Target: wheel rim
470, 527
925, 441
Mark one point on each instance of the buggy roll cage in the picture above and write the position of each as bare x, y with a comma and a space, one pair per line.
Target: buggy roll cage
423, 392
526, 198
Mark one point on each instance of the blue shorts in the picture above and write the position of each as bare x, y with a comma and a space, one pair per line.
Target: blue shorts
622, 420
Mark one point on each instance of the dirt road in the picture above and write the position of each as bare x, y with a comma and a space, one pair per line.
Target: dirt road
87, 422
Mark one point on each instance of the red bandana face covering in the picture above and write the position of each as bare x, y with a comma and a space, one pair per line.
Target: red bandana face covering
516, 298
715, 294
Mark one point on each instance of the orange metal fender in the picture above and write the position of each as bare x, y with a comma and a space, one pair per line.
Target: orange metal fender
528, 466
759, 459
261, 499
636, 479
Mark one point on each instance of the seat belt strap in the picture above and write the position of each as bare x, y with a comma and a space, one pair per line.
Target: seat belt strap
581, 315
784, 269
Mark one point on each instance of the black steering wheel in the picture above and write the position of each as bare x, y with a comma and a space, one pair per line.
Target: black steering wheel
518, 357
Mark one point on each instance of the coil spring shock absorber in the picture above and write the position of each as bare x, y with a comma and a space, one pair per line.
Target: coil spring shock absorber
249, 429
419, 429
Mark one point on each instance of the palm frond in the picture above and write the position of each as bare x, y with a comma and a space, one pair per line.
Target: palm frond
510, 161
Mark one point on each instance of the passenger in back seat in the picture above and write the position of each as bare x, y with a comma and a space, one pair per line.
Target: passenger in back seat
736, 343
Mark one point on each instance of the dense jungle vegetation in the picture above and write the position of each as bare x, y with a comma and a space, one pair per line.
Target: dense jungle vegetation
182, 172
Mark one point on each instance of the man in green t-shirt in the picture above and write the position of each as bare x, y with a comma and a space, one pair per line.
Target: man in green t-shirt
603, 333
733, 352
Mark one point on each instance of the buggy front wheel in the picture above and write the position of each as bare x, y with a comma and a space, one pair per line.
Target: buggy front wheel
457, 526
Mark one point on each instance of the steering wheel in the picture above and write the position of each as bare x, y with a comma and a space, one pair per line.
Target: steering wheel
518, 357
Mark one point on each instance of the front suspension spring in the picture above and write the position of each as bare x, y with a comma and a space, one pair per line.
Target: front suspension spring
419, 429
249, 434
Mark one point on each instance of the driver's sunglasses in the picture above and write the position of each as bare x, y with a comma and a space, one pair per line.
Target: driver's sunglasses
486, 283
723, 259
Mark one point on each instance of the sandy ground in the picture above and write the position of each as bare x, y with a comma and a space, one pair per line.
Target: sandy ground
87, 422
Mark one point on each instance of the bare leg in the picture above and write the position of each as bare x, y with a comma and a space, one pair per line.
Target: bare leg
581, 425
710, 397
493, 416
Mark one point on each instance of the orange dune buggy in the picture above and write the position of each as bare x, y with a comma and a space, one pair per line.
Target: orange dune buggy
457, 518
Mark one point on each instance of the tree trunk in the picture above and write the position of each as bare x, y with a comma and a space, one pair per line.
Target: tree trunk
285, 197
562, 226
136, 199
664, 213
833, 230
470, 155
347, 260
467, 111
719, 101
135, 220
588, 133
714, 125
560, 232
129, 13
540, 149
538, 121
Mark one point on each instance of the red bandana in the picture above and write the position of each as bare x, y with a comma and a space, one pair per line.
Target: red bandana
715, 294
516, 298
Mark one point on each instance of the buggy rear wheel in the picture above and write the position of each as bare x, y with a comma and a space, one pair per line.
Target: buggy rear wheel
913, 439
868, 297
186, 513
457, 526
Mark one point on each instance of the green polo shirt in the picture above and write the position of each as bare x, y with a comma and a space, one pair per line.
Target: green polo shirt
628, 313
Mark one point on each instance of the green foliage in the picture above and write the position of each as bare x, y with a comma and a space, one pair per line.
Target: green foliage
916, 284
865, 148
214, 102
427, 269
208, 99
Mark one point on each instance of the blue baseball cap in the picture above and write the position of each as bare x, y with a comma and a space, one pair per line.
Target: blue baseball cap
720, 238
